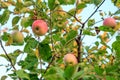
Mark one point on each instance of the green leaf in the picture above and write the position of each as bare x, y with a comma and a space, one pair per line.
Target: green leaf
97, 43
72, 11
117, 12
4, 17
56, 37
22, 74
13, 56
26, 21
118, 38
33, 76
5, 36
98, 70
30, 62
31, 44
106, 28
96, 2
15, 20
51, 4
45, 51
72, 34
88, 32
91, 22
116, 3
81, 6
28, 3
116, 47
67, 2
78, 75
69, 71
54, 73
110, 78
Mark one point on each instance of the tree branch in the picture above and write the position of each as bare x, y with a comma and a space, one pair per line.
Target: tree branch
78, 39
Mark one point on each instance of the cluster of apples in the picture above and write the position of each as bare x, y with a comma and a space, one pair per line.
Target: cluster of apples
39, 28
70, 58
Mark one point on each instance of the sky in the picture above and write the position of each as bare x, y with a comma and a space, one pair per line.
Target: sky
107, 6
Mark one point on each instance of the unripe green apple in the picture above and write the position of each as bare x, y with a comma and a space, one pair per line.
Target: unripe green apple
109, 22
39, 27
17, 37
70, 59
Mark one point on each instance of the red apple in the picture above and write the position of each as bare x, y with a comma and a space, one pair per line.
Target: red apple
70, 59
17, 37
109, 22
39, 27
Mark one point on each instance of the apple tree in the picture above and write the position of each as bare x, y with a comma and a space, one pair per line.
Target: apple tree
53, 40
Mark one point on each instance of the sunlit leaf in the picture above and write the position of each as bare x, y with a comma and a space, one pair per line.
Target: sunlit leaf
98, 70
69, 71
110, 78
91, 22
72, 34
30, 62
106, 28
66, 2
31, 44
5, 36
78, 75
54, 73
26, 21
4, 17
15, 20
22, 74
96, 2
81, 6
28, 3
51, 4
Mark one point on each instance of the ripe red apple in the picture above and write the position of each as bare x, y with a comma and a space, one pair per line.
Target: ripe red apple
109, 22
70, 59
39, 27
17, 37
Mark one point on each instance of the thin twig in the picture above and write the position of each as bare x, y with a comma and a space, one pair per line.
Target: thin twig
69, 14
9, 59
7, 55
48, 66
94, 11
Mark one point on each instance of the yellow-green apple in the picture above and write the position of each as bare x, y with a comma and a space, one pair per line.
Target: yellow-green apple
109, 22
17, 37
70, 59
39, 27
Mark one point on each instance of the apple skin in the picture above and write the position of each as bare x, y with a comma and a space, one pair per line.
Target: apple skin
70, 59
17, 37
109, 22
39, 27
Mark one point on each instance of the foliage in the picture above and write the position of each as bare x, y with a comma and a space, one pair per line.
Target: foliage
42, 56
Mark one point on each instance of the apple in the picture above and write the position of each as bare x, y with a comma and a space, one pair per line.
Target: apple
109, 22
17, 37
39, 27
70, 59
